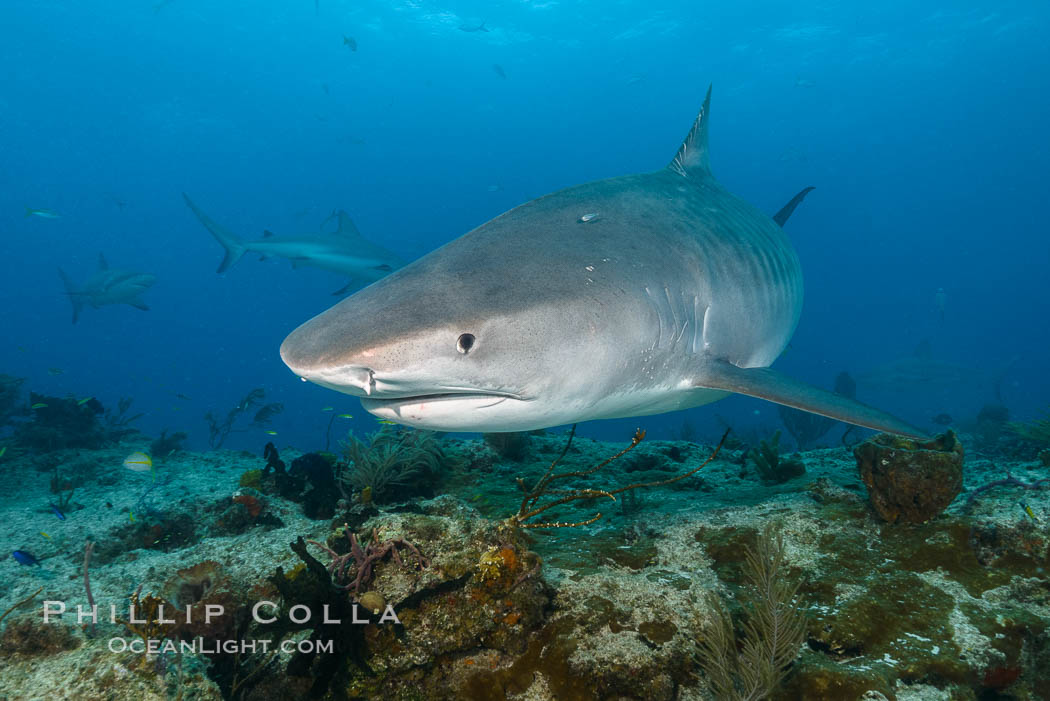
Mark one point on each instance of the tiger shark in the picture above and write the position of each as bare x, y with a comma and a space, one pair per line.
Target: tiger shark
108, 286
629, 296
344, 251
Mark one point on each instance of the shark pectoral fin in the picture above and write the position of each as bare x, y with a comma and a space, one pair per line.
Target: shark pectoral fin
75, 297
346, 288
139, 304
782, 216
772, 386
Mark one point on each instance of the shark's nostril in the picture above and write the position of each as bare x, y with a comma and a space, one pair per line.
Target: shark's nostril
359, 376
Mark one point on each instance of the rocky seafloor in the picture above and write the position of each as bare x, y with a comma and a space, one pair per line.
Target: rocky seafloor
618, 608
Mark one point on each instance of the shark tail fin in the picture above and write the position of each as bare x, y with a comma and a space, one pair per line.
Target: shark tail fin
691, 159
781, 217
75, 297
768, 384
29, 211
232, 244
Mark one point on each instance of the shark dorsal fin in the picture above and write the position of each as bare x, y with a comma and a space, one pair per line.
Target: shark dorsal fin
102, 264
785, 211
691, 158
346, 227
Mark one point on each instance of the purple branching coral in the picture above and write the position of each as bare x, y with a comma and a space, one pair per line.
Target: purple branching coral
364, 559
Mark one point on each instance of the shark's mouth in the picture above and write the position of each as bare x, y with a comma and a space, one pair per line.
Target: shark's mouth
379, 400
460, 410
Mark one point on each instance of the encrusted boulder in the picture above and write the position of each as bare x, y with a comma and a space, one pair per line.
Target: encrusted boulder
910, 481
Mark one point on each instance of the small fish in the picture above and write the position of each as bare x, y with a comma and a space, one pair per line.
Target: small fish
121, 204
55, 371
328, 408
271, 433
386, 422
467, 28
39, 405
1028, 510
498, 69
25, 558
131, 516
45, 535
57, 512
183, 397
943, 419
42, 213
138, 462
345, 416
351, 42
109, 505
590, 216
85, 400
2, 451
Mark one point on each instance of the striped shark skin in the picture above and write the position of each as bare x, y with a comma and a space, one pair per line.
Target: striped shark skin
629, 296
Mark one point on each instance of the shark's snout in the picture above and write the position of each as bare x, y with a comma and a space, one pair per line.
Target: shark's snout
301, 353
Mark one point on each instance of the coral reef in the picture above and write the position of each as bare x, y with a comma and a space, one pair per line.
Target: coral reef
200, 585
392, 461
512, 445
118, 423
1036, 431
61, 423
910, 481
165, 446
220, 429
448, 598
317, 472
10, 397
804, 426
28, 636
772, 468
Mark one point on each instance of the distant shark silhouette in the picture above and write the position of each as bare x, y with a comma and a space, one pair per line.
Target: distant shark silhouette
630, 296
108, 286
467, 28
344, 251
921, 371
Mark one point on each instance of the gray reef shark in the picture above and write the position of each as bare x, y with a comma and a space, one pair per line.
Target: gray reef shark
108, 286
630, 296
344, 251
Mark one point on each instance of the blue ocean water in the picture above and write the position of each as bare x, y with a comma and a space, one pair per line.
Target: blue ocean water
920, 124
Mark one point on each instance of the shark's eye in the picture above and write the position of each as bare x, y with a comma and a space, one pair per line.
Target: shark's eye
465, 342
